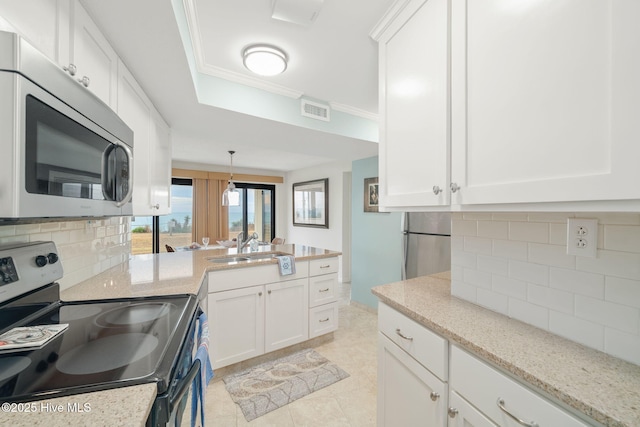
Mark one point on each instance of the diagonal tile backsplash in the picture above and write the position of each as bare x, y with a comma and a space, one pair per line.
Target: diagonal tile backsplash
516, 264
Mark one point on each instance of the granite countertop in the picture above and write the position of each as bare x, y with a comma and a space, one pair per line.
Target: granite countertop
128, 406
603, 387
174, 273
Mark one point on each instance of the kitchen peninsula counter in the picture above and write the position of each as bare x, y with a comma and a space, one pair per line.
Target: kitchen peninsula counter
176, 272
603, 387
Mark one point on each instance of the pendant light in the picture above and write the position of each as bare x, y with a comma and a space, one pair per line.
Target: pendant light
231, 196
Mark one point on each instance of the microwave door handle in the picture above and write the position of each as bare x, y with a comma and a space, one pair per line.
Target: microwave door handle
105, 169
129, 155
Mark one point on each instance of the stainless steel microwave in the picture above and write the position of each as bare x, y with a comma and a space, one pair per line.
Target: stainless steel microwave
64, 152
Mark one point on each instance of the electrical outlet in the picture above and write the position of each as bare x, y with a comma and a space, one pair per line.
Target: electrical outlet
582, 237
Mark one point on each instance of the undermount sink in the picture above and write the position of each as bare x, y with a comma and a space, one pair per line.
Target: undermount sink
246, 257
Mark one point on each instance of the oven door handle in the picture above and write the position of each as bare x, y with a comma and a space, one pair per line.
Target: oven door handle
184, 386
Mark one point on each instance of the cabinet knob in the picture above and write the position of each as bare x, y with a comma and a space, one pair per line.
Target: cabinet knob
434, 396
85, 81
452, 412
156, 206
71, 69
437, 190
269, 291
454, 187
259, 294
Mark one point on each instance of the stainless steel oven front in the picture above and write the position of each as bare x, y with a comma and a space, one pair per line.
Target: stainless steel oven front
66, 153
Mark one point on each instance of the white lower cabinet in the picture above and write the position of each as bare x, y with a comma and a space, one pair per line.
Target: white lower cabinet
408, 394
286, 314
414, 366
463, 414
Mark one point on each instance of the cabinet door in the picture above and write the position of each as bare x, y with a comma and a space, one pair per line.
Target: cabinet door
414, 106
160, 166
462, 414
43, 23
287, 314
236, 325
545, 101
94, 57
408, 394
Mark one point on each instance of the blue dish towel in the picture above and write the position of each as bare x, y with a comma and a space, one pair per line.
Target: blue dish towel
287, 265
206, 372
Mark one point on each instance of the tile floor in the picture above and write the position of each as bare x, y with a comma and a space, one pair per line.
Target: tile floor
347, 403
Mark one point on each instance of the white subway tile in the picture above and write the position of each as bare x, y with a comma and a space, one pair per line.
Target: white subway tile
577, 282
493, 301
550, 298
551, 255
529, 313
612, 263
622, 291
464, 228
617, 316
558, 234
49, 226
456, 215
7, 230
550, 217
464, 259
457, 243
463, 291
622, 345
24, 229
510, 287
510, 249
477, 278
493, 265
621, 218
60, 237
529, 272
478, 245
14, 239
510, 216
481, 216
493, 229
529, 232
456, 272
625, 238
579, 330
40, 237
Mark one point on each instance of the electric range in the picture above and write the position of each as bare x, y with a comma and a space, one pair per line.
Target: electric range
108, 343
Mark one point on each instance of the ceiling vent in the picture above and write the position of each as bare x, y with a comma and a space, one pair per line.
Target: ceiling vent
301, 12
315, 110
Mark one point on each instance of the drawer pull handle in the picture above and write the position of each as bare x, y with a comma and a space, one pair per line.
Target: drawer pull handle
403, 336
434, 396
325, 266
500, 403
324, 320
324, 290
452, 412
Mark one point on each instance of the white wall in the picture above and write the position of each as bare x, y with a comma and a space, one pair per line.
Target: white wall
86, 248
330, 238
516, 264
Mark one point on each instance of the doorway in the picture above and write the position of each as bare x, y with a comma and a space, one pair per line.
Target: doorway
256, 212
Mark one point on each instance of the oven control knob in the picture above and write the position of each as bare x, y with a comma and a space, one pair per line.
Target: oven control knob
52, 257
41, 260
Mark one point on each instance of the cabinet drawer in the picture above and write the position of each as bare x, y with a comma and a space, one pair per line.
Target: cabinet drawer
322, 289
235, 278
484, 387
323, 319
323, 266
428, 348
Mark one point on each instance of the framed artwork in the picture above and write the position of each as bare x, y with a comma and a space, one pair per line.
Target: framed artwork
371, 194
311, 203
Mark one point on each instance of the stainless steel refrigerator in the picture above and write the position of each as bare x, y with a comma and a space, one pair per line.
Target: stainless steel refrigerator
426, 243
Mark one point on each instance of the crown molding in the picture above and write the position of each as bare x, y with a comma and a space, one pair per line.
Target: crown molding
396, 8
353, 111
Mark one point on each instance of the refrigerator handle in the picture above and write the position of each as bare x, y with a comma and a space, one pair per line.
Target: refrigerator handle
405, 244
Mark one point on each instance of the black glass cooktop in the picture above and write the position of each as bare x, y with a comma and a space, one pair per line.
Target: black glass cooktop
108, 343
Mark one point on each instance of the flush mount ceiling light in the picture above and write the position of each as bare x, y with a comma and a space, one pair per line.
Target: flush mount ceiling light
264, 60
231, 196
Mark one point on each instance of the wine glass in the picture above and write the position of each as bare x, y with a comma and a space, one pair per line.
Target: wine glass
205, 242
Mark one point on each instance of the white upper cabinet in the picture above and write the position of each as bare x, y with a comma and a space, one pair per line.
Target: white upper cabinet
44, 24
414, 106
151, 147
545, 100
95, 61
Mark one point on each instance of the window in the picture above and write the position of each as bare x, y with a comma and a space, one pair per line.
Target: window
256, 212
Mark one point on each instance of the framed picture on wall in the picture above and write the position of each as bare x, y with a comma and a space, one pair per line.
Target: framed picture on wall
371, 194
311, 203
